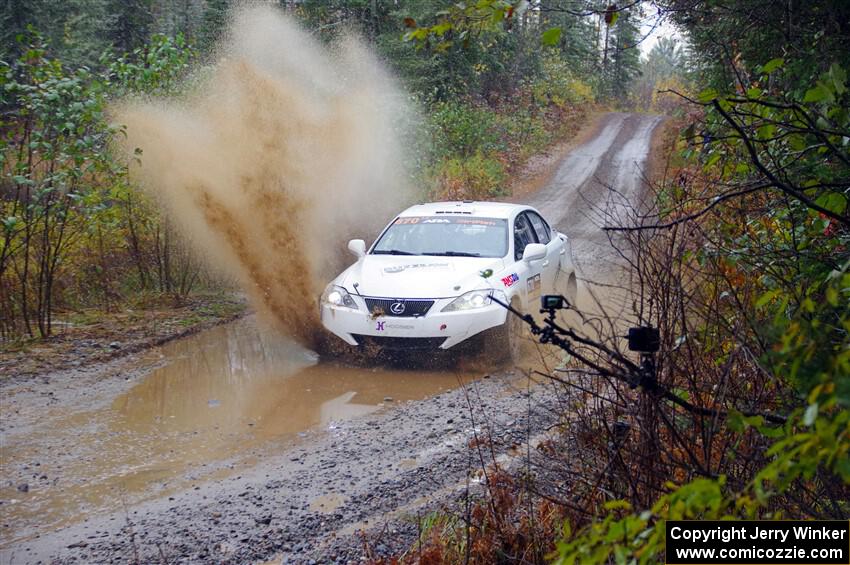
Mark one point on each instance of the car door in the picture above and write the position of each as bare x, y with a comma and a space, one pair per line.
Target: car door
554, 246
529, 274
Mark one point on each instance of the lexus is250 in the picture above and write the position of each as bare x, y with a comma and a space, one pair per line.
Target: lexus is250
428, 280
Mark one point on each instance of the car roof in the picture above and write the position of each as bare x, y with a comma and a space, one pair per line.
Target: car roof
465, 207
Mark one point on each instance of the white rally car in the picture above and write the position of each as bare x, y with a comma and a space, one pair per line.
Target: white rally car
427, 281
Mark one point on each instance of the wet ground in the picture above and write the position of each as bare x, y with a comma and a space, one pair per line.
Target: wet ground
219, 395
237, 446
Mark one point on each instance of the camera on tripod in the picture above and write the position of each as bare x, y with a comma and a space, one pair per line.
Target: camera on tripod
644, 340
553, 302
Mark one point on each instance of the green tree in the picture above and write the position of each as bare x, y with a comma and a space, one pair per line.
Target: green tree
213, 22
132, 23
52, 148
67, 209
577, 44
666, 66
621, 57
665, 59
734, 37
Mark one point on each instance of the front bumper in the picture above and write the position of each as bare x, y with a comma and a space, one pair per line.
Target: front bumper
436, 329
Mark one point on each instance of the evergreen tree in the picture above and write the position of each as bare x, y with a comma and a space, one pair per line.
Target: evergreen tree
578, 45
132, 25
733, 38
213, 23
665, 59
87, 31
622, 57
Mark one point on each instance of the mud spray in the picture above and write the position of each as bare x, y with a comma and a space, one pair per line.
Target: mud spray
283, 148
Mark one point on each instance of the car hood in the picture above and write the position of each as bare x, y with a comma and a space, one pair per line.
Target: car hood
408, 276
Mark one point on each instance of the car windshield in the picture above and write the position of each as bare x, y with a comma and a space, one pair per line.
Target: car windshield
449, 236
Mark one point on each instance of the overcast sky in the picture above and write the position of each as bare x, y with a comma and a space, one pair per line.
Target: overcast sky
664, 29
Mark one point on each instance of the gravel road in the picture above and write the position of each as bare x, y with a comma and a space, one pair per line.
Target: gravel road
309, 500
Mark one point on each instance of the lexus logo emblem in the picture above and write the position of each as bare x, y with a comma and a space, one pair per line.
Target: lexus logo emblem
397, 308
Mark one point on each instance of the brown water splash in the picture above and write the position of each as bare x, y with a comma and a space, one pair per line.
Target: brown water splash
283, 149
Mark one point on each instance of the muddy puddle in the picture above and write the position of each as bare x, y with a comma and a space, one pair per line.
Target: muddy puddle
220, 400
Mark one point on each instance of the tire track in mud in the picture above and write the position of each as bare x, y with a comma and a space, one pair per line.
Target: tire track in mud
600, 183
597, 184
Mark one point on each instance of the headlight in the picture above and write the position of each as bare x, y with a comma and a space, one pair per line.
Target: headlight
338, 296
474, 299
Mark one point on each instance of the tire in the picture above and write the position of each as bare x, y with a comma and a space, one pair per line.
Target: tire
568, 289
572, 290
505, 342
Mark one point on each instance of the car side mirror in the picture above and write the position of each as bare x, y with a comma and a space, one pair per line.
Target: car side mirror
534, 252
357, 247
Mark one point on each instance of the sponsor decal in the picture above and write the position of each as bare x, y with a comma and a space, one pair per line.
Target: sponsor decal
533, 284
450, 219
383, 325
442, 327
477, 222
400, 268
510, 279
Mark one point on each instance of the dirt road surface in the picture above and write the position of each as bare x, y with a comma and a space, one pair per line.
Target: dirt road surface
238, 446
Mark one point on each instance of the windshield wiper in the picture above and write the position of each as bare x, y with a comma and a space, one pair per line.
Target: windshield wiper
391, 252
454, 254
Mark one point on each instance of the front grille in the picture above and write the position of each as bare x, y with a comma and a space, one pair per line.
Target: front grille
399, 343
408, 308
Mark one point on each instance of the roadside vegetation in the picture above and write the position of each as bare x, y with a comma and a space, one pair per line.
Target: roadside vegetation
740, 258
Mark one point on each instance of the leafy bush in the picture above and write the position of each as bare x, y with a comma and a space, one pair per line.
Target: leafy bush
478, 177
559, 85
476, 147
74, 231
464, 129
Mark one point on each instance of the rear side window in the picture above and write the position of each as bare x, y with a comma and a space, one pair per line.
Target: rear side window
523, 235
541, 228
